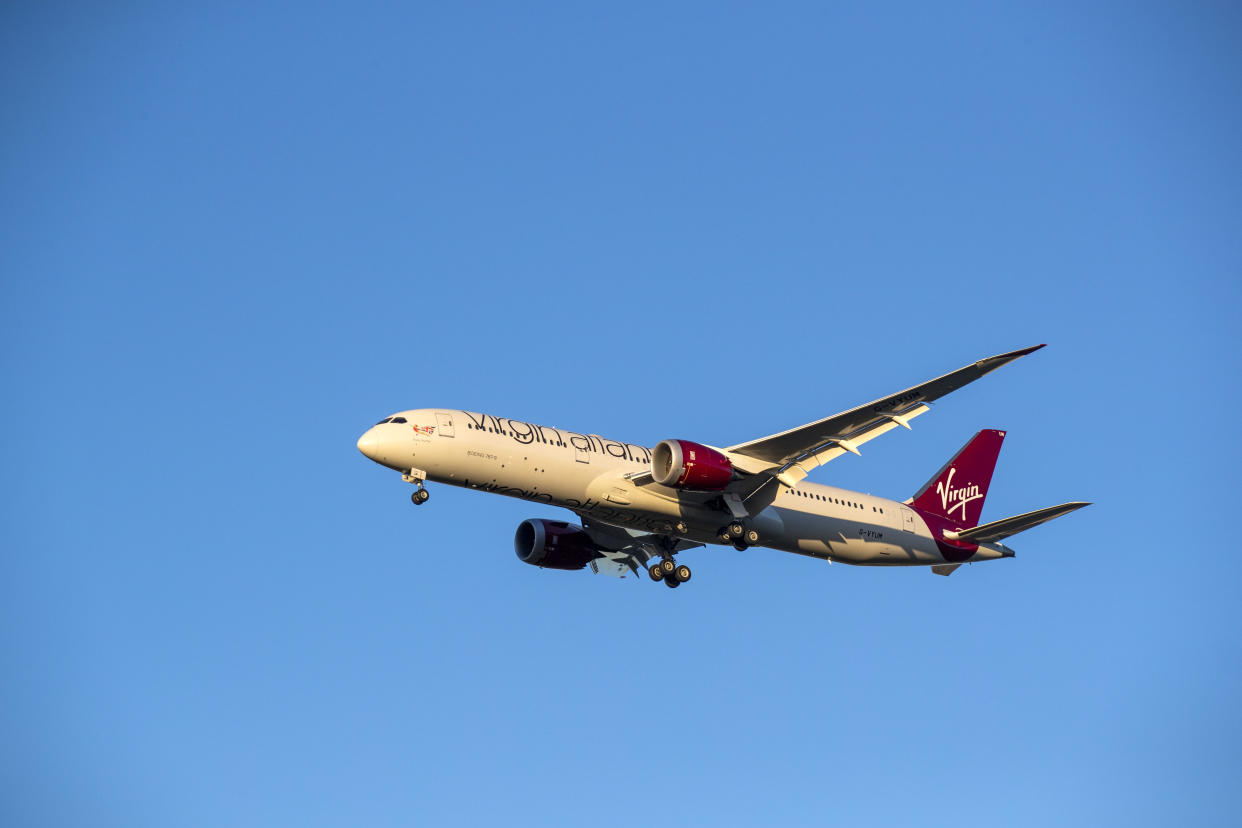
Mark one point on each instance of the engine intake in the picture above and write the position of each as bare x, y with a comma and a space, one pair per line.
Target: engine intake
553, 544
681, 464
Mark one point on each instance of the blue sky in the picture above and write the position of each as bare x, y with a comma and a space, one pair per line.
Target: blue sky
237, 235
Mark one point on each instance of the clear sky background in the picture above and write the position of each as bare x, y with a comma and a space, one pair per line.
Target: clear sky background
236, 235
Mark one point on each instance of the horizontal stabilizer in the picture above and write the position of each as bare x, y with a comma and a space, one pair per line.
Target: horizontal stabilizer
1001, 529
945, 569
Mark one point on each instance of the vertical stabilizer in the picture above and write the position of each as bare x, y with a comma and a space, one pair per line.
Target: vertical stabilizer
956, 492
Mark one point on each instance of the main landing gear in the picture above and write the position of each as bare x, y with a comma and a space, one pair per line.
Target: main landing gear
668, 570
738, 534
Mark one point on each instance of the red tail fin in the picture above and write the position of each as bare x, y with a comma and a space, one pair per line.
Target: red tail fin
957, 491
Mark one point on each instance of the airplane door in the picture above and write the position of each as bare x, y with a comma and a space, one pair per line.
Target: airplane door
444, 424
907, 519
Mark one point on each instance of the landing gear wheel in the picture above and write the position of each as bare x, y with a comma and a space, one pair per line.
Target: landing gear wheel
672, 583
656, 572
724, 536
667, 566
420, 497
740, 546
751, 537
683, 573
736, 529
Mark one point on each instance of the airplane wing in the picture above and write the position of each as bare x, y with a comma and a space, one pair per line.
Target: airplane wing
1001, 529
790, 455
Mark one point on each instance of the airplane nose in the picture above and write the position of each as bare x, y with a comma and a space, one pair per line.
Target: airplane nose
368, 444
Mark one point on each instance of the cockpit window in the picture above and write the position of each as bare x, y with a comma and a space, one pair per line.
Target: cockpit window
385, 420
398, 419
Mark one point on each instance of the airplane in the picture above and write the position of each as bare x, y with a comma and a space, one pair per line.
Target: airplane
640, 507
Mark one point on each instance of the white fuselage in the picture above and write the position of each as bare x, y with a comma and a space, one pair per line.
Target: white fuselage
587, 474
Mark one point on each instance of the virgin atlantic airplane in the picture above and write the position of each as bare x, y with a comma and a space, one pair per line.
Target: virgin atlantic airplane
640, 507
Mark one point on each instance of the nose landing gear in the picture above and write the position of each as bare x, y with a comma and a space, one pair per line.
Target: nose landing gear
417, 476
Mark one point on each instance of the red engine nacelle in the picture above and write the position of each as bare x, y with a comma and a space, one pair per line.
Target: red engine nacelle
553, 544
685, 465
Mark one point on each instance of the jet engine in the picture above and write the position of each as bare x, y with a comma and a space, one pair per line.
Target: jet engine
685, 465
553, 544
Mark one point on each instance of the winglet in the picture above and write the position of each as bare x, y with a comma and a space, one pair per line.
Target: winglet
1003, 359
989, 364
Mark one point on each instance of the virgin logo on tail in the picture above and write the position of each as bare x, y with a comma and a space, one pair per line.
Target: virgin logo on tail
959, 497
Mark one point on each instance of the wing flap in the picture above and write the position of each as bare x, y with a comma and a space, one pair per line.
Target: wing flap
802, 465
623, 547
1006, 527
